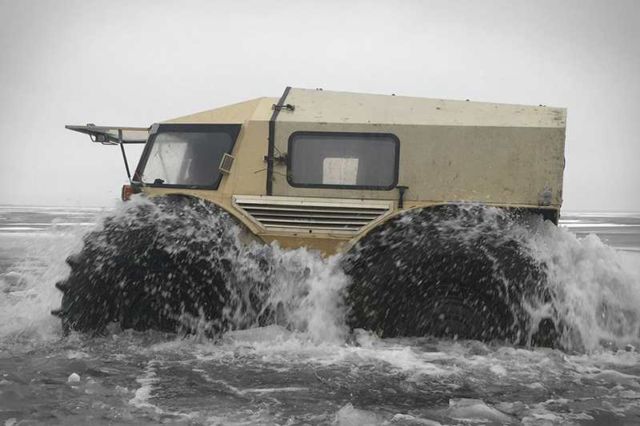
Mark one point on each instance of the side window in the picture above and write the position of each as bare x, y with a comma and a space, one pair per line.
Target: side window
343, 160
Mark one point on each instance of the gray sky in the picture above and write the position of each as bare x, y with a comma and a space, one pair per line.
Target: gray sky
139, 62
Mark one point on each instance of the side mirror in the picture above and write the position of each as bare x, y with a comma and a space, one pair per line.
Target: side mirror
226, 163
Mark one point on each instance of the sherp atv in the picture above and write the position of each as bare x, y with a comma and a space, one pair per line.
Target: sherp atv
421, 196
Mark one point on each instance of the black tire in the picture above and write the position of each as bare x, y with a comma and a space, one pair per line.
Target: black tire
447, 271
170, 264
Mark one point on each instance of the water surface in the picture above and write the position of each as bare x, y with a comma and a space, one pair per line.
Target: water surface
319, 373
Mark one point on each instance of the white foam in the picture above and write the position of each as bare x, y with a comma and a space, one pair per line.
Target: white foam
350, 416
498, 370
616, 377
144, 393
307, 290
274, 390
474, 410
25, 309
406, 419
596, 297
271, 333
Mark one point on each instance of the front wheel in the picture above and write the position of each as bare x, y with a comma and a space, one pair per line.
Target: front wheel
171, 263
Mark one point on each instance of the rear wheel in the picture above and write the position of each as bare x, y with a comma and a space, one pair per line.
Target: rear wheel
461, 272
170, 264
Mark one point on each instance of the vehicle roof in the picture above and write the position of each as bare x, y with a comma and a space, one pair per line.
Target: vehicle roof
259, 109
311, 105
345, 107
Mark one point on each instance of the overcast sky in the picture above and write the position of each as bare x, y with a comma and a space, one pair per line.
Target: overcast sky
139, 62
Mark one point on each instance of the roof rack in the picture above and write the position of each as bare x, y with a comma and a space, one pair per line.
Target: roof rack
113, 135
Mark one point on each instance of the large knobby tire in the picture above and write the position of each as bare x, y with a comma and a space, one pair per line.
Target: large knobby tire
447, 271
170, 264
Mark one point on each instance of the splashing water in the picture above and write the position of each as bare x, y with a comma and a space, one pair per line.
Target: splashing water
26, 293
307, 367
307, 292
180, 264
595, 296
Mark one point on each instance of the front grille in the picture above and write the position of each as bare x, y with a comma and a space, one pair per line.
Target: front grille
296, 214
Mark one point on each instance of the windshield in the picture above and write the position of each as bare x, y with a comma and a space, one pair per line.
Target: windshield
187, 155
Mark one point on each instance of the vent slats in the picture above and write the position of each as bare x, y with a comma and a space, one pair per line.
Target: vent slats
298, 228
314, 209
292, 214
328, 215
305, 221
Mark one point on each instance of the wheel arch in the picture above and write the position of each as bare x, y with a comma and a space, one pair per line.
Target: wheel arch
546, 213
245, 224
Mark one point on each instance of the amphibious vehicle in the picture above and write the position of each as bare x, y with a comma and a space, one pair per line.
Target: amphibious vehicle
419, 196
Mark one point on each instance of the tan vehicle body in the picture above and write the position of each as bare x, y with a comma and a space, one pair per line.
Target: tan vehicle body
508, 156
